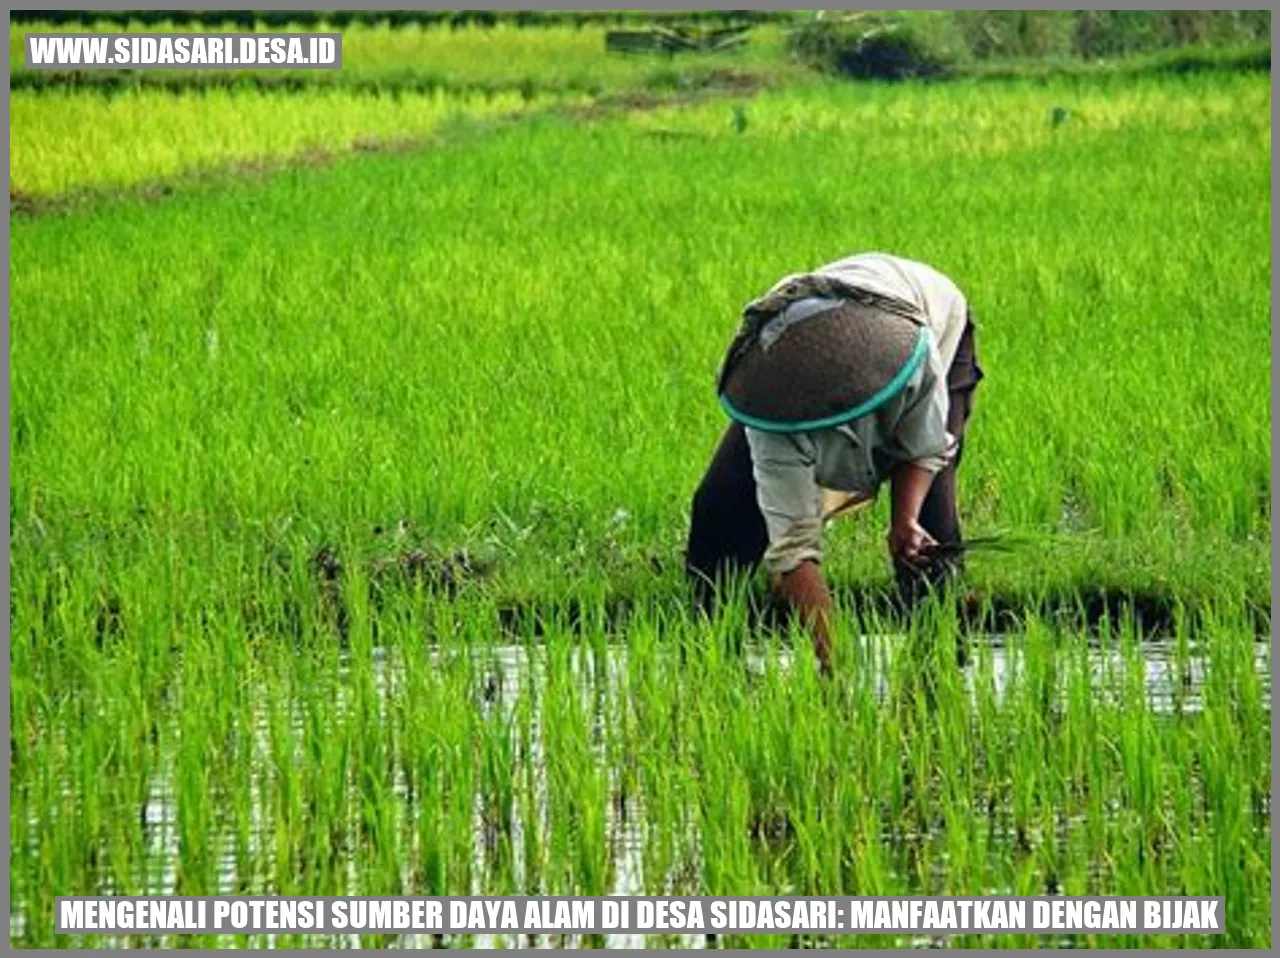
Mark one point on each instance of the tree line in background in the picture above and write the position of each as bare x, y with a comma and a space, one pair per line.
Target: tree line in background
935, 43
886, 45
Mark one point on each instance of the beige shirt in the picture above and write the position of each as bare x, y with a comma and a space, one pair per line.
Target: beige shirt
794, 470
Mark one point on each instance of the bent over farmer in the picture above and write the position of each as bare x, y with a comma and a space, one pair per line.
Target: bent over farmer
839, 379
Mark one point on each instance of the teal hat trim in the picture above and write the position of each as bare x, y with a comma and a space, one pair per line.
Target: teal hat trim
871, 404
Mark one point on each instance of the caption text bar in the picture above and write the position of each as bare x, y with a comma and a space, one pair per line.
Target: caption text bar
184, 51
642, 915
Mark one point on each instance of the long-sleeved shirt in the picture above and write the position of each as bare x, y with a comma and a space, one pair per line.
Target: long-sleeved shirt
792, 470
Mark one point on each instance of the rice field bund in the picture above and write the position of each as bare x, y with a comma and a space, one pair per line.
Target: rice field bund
347, 499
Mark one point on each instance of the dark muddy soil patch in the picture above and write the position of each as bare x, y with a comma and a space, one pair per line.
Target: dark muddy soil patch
1154, 615
443, 572
328, 570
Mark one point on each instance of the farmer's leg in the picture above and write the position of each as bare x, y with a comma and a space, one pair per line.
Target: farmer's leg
939, 514
727, 532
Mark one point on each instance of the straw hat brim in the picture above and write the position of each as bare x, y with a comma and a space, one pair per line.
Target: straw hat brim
825, 370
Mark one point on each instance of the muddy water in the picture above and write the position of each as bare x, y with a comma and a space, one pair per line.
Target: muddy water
1171, 684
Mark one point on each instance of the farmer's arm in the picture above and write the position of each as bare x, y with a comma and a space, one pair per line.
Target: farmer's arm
907, 538
923, 447
806, 591
791, 504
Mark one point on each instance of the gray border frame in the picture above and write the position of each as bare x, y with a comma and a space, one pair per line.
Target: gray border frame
577, 5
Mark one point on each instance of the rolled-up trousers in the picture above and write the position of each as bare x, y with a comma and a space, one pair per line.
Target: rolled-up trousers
727, 534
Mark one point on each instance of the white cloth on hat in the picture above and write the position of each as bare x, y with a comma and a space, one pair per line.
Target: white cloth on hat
935, 296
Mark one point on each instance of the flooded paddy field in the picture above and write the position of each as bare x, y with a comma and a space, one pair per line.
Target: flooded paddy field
347, 506
426, 752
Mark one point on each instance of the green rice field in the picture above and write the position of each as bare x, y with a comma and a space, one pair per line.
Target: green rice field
67, 140
347, 503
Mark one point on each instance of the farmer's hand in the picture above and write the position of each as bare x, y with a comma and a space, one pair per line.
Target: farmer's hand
907, 538
908, 541
806, 591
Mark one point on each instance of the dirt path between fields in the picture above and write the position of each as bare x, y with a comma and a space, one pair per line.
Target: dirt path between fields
724, 84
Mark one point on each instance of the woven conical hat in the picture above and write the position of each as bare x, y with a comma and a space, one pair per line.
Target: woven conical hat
826, 369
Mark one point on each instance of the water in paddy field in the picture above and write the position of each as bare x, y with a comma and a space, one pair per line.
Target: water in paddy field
1171, 683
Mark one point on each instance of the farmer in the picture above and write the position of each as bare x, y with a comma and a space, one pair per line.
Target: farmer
839, 379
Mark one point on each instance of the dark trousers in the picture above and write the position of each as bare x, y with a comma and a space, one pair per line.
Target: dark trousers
727, 534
